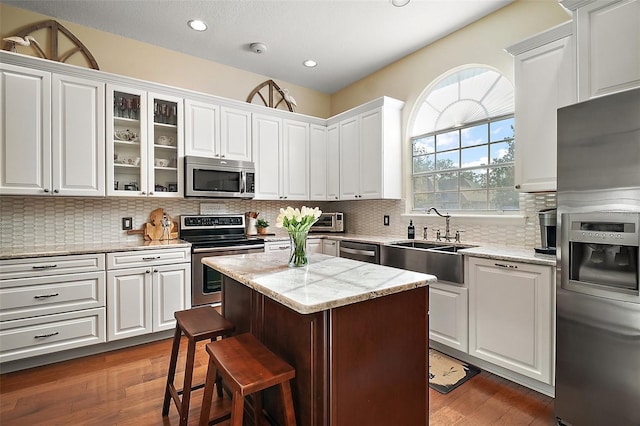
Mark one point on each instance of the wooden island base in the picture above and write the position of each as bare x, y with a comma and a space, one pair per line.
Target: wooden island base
359, 364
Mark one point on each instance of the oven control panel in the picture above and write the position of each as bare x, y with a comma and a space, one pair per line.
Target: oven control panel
212, 221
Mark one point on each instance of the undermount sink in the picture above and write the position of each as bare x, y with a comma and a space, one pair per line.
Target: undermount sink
439, 259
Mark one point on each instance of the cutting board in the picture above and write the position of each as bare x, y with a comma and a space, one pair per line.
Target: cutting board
153, 230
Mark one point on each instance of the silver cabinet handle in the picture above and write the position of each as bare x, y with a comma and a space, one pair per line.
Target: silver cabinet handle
42, 336
44, 266
151, 258
44, 296
502, 265
234, 248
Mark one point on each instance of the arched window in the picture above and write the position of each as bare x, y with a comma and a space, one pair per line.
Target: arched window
462, 140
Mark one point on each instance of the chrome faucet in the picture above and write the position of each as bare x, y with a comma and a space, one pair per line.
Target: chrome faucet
447, 233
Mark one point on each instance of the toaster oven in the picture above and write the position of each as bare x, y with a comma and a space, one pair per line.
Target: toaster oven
329, 222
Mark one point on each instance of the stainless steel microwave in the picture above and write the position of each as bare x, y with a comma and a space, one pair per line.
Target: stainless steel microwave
329, 222
218, 178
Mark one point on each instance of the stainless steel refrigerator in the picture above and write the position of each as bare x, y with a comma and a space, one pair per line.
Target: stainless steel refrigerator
598, 299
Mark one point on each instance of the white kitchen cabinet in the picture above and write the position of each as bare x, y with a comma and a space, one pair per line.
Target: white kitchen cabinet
281, 150
333, 162
61, 151
512, 316
294, 163
273, 246
607, 44
314, 245
215, 131
330, 247
449, 315
318, 162
50, 304
370, 153
143, 299
544, 67
145, 143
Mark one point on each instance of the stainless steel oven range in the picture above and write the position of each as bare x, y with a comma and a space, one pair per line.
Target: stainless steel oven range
214, 235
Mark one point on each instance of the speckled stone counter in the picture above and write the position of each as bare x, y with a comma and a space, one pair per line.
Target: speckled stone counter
515, 254
68, 249
327, 282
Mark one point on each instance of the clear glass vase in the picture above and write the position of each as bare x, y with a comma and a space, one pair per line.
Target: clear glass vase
298, 254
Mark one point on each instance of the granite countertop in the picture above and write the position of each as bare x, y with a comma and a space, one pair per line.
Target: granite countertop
68, 249
327, 282
508, 253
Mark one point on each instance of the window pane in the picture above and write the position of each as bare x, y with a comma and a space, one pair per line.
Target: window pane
446, 200
503, 199
449, 140
423, 163
473, 179
501, 152
423, 201
473, 200
502, 129
424, 145
448, 160
423, 183
474, 157
447, 181
476, 135
501, 177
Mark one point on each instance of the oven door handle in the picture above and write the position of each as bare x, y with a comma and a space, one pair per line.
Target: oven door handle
234, 248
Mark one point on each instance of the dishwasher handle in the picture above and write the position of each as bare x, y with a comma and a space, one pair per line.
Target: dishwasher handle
369, 253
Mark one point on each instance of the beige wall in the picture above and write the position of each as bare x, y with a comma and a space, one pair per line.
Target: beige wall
123, 56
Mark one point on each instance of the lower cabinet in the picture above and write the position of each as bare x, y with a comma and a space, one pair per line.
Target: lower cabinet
330, 247
314, 245
51, 304
449, 315
511, 316
143, 299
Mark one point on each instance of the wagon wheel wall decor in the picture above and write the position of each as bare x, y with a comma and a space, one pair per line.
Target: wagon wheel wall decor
57, 35
271, 95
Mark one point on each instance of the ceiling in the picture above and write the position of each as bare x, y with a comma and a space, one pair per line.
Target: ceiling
348, 39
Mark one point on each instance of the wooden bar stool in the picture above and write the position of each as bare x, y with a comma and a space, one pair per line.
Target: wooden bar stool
196, 324
247, 367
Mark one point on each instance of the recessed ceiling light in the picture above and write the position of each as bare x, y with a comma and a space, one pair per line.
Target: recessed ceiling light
400, 3
198, 25
310, 63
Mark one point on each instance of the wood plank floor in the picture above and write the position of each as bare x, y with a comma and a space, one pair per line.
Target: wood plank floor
126, 387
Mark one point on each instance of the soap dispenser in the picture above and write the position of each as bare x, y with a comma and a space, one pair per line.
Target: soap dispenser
411, 231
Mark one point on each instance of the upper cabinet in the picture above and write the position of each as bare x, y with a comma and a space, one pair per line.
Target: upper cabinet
52, 138
333, 162
145, 141
607, 45
544, 74
318, 162
217, 132
370, 152
281, 151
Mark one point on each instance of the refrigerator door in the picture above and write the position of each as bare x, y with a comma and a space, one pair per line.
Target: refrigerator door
598, 361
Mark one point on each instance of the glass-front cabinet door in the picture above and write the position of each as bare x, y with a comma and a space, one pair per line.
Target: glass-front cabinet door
165, 145
145, 143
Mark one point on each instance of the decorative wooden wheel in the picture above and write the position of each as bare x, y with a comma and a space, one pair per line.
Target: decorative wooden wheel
271, 95
56, 31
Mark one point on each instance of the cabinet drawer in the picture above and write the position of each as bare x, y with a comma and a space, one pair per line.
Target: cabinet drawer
52, 265
132, 259
29, 297
52, 333
277, 246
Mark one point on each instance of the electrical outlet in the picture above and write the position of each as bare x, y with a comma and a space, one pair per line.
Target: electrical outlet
127, 223
386, 220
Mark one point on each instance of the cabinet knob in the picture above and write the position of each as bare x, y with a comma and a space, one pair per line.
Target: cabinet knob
148, 271
222, 156
151, 193
518, 186
143, 193
46, 190
55, 191
155, 270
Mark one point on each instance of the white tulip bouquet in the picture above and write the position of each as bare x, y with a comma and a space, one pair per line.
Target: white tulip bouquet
297, 223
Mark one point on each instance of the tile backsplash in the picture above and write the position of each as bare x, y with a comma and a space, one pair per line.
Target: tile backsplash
28, 221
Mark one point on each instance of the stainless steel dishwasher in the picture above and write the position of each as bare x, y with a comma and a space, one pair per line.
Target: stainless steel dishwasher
364, 252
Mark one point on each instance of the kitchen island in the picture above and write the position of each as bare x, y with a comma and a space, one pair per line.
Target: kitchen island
355, 332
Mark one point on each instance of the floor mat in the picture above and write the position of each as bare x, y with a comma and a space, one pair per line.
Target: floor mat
446, 373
